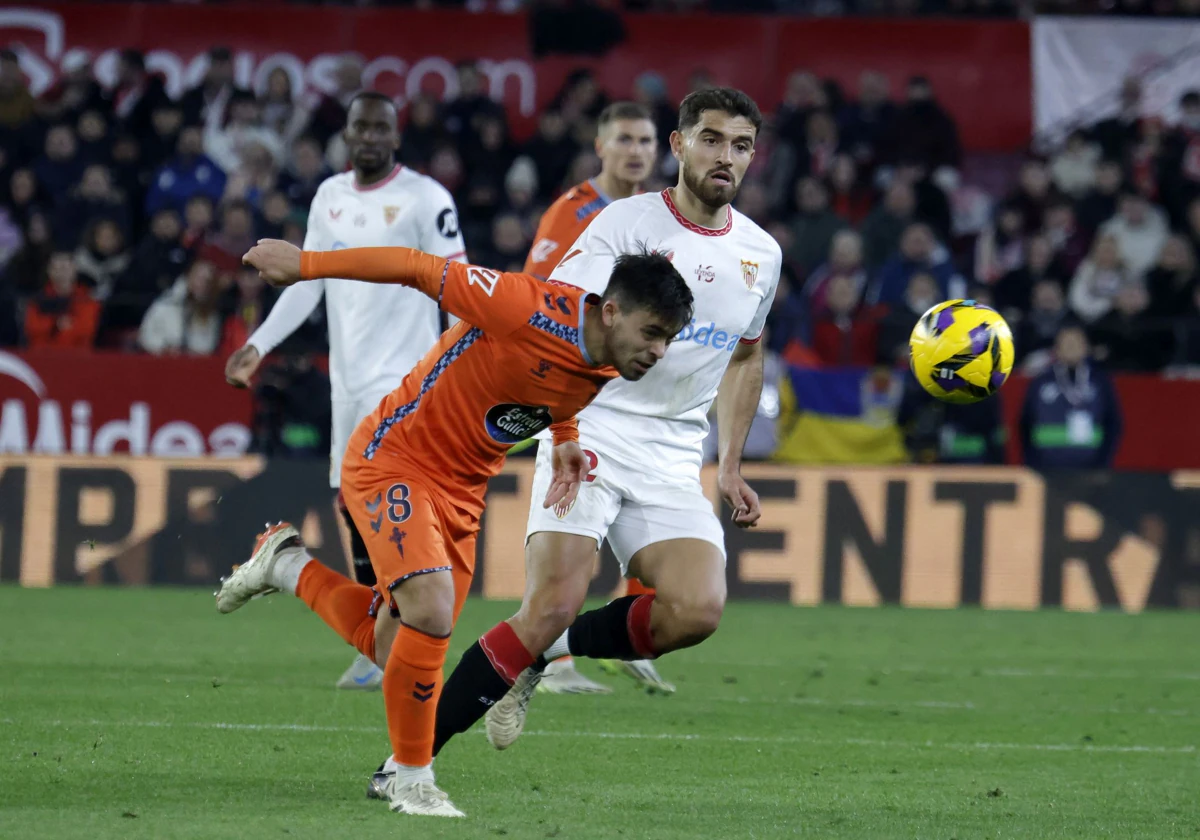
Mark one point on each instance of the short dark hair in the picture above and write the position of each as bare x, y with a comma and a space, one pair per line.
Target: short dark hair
371, 96
647, 280
622, 111
730, 100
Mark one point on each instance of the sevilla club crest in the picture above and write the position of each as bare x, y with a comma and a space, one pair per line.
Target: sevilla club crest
749, 273
389, 214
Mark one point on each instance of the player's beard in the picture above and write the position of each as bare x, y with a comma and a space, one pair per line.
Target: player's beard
710, 194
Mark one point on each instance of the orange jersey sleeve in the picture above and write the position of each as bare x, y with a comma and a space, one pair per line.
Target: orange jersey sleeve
561, 225
494, 301
476, 393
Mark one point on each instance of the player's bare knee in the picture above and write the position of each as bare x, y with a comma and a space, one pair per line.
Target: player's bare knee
426, 602
546, 614
692, 622
386, 627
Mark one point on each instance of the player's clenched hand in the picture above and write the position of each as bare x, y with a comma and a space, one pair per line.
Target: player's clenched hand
740, 496
278, 262
242, 365
571, 469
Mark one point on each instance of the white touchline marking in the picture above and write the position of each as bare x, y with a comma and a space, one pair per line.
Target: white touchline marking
1001, 672
1186, 749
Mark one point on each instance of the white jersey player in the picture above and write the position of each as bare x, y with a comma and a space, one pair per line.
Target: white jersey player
644, 440
376, 333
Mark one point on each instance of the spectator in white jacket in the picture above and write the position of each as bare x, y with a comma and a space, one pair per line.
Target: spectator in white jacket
185, 318
1074, 168
1098, 279
226, 144
1141, 231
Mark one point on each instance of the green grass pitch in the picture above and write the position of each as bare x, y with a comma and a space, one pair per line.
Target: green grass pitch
131, 713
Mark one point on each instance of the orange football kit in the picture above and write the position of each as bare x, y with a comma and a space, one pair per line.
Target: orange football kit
415, 471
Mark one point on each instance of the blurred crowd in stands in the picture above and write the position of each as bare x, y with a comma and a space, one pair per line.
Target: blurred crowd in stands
123, 213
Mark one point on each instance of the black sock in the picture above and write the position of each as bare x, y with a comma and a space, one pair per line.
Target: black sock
604, 633
364, 573
472, 689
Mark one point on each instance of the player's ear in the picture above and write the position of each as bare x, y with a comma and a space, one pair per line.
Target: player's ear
609, 310
677, 144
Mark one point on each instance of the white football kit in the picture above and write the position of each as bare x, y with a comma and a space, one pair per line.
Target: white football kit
377, 333
645, 439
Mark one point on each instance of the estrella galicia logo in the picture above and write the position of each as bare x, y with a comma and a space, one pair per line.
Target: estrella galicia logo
447, 223
511, 423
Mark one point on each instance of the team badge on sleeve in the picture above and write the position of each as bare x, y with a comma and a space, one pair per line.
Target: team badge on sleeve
749, 273
389, 214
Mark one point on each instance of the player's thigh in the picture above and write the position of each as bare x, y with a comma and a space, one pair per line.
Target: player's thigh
561, 548
559, 567
671, 539
404, 528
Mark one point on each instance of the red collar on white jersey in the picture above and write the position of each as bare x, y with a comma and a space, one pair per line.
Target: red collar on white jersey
391, 176
692, 226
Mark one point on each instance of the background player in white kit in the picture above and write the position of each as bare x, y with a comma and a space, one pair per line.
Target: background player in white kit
643, 492
376, 333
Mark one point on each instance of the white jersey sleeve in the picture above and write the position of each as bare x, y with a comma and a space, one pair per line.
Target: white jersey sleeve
754, 331
298, 301
438, 226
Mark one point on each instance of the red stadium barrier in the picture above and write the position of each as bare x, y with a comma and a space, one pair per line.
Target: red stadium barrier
980, 70
1159, 434
64, 402
60, 402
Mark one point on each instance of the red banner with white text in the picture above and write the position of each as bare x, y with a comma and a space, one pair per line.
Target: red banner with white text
58, 402
980, 70
62, 402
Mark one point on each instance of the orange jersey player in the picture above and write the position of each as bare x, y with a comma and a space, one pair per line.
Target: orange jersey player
626, 146
526, 356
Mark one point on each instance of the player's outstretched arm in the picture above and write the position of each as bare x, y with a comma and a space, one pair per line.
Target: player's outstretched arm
493, 301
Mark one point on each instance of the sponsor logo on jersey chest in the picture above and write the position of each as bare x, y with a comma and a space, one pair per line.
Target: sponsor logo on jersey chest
511, 423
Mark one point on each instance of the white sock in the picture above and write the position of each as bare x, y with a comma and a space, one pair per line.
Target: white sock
559, 649
406, 775
288, 565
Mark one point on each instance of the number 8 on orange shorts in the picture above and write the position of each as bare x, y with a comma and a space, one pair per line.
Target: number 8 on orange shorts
410, 529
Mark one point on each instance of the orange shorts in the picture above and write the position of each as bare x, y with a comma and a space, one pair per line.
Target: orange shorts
409, 529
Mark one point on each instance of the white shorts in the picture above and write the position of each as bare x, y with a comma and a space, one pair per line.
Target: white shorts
347, 414
622, 503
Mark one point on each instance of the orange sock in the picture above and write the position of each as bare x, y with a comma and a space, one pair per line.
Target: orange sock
633, 586
341, 603
412, 684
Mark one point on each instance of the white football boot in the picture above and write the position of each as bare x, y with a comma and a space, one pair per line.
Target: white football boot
253, 578
562, 677
641, 670
362, 675
423, 798
506, 719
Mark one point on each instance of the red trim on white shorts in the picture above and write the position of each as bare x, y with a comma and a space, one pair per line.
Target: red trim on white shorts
750, 340
692, 226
